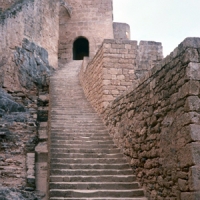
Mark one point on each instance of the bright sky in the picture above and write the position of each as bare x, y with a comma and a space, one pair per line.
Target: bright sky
166, 21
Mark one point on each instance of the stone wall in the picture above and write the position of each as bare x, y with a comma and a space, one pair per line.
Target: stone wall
28, 49
117, 65
21, 114
157, 124
32, 19
90, 19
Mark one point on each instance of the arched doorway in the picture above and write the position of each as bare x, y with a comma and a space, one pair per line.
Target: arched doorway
80, 48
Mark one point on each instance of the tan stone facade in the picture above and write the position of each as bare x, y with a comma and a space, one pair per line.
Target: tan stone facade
118, 65
156, 122
34, 20
91, 20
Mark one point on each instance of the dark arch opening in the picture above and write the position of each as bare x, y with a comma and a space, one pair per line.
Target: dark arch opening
80, 48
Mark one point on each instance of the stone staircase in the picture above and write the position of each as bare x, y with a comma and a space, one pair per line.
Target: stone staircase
84, 162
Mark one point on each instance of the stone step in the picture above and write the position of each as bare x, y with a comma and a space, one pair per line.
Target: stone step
86, 146
81, 150
71, 135
90, 172
80, 138
84, 163
79, 134
78, 117
78, 131
77, 126
84, 155
80, 125
90, 166
98, 178
62, 130
94, 186
85, 142
107, 198
88, 160
96, 193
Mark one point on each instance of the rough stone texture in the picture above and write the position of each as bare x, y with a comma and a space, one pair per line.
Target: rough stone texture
32, 66
157, 125
30, 166
20, 116
121, 31
15, 194
90, 19
8, 104
35, 20
117, 65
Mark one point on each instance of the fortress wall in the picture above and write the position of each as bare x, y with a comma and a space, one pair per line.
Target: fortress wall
157, 124
90, 19
28, 42
117, 66
34, 20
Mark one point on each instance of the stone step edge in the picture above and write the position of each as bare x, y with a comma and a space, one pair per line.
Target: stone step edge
92, 191
93, 176
95, 183
93, 198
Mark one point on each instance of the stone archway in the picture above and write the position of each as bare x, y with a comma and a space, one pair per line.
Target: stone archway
80, 48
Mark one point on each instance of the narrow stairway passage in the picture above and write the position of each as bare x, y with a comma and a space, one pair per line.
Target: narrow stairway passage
84, 162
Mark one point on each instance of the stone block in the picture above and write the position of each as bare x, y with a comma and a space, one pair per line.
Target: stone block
43, 125
190, 55
183, 184
42, 134
185, 156
189, 88
195, 132
189, 155
192, 104
193, 71
194, 178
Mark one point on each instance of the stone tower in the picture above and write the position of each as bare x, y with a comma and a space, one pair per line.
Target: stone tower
84, 24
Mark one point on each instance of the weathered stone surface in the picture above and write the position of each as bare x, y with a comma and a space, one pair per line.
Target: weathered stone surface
33, 64
8, 105
117, 66
89, 19
156, 122
11, 193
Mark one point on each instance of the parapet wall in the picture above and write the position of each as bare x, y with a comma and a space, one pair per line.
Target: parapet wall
157, 124
117, 65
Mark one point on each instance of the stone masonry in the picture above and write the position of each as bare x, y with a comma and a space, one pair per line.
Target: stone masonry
90, 19
156, 123
117, 65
